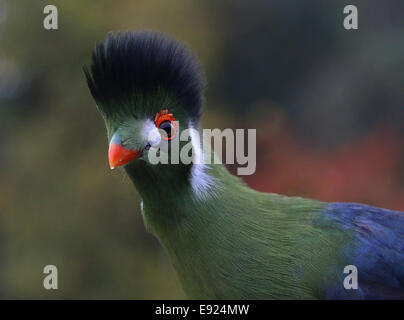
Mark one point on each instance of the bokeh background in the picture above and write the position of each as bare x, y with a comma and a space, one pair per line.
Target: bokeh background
327, 104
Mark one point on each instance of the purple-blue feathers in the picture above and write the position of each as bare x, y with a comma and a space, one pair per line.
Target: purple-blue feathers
377, 249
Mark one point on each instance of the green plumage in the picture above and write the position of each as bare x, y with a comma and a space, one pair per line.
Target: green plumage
225, 240
239, 243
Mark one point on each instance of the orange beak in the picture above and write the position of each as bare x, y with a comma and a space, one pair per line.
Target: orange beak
119, 155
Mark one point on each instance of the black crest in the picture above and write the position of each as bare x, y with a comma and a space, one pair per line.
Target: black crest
132, 64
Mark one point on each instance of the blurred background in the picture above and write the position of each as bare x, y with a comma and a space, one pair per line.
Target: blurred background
327, 104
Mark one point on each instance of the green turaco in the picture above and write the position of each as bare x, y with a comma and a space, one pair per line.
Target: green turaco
225, 240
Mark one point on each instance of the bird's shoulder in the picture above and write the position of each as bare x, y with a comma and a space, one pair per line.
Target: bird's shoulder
376, 247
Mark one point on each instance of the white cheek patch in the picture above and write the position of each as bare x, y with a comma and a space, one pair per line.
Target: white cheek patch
201, 181
150, 134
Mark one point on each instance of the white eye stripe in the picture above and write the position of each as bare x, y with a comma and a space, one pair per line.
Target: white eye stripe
201, 181
150, 133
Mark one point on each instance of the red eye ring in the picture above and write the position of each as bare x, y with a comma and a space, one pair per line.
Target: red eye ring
164, 116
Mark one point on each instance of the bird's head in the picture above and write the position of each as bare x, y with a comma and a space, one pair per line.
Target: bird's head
148, 88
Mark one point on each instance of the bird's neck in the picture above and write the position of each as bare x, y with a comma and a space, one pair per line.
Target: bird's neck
158, 184
172, 194
211, 236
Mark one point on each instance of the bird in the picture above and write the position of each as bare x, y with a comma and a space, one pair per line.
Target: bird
225, 239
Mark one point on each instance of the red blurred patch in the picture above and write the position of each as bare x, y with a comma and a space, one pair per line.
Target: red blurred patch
369, 170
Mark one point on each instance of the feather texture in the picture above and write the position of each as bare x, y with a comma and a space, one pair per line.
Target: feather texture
226, 240
377, 248
129, 68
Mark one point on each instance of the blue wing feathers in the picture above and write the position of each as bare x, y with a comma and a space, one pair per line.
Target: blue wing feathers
377, 249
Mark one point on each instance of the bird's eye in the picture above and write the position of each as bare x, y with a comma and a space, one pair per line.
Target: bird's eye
165, 121
166, 126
